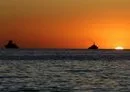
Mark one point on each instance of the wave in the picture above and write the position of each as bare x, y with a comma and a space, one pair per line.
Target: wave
63, 54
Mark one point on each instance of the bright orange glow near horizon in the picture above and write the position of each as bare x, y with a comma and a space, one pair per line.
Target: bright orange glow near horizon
65, 23
119, 48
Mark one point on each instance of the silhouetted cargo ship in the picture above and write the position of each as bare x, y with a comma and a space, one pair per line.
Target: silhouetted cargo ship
11, 45
94, 46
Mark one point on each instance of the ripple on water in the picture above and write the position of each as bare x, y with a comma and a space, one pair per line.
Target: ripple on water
64, 76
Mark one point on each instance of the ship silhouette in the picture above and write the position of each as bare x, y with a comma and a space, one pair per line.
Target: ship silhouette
94, 46
11, 45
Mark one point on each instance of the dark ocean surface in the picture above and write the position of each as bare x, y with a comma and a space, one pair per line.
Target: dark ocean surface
40, 70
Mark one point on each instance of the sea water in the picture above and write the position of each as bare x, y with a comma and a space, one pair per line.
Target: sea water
37, 70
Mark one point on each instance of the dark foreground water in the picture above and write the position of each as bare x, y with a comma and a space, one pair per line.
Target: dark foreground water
65, 71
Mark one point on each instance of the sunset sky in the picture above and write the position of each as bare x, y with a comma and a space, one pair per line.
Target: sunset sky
65, 23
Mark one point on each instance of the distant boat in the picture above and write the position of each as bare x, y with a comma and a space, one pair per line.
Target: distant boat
11, 45
94, 46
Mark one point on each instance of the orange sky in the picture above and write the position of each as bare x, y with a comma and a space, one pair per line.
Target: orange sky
65, 23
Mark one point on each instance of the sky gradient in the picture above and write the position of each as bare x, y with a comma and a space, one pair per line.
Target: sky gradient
65, 23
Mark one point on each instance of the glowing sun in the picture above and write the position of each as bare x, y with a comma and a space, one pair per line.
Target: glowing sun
119, 48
